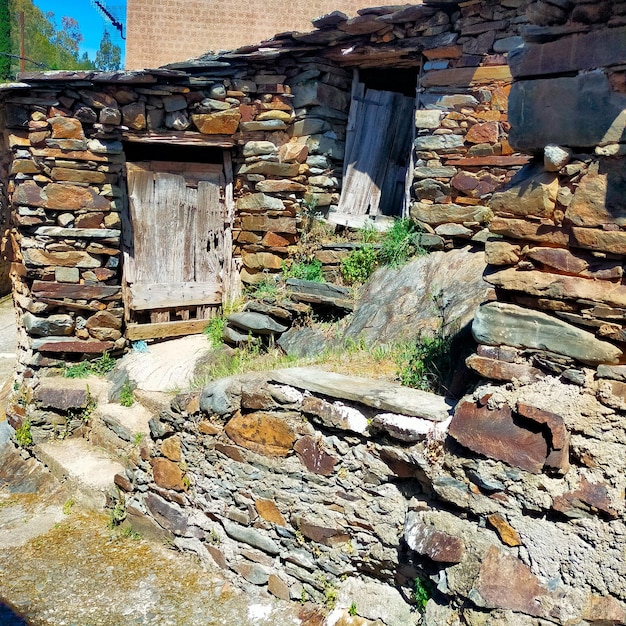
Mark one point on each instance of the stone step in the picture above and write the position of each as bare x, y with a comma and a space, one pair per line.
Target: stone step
128, 423
89, 470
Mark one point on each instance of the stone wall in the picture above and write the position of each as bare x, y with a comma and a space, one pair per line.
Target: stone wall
185, 30
318, 486
67, 182
462, 153
557, 250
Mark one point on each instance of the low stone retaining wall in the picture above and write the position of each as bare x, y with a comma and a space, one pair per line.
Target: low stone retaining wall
321, 486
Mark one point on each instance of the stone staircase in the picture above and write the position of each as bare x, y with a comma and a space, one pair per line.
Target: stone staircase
91, 457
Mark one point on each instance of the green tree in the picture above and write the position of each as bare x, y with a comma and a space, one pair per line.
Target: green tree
46, 46
5, 40
109, 56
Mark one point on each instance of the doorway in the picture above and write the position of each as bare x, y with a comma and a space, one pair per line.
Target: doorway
378, 143
178, 246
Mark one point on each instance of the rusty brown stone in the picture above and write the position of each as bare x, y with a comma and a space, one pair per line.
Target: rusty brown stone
604, 610
24, 166
531, 231
435, 544
54, 395
104, 319
280, 186
167, 475
49, 289
134, 115
314, 458
508, 535
572, 262
261, 432
89, 220
489, 161
558, 286
504, 582
502, 253
588, 499
66, 128
277, 587
78, 176
500, 370
232, 452
465, 181
171, 449
274, 240
123, 483
601, 240
293, 152
72, 345
208, 428
494, 434
71, 197
268, 510
486, 132
261, 223
322, 533
69, 258
220, 123
535, 195
262, 260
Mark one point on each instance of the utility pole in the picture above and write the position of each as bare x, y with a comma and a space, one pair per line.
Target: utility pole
22, 46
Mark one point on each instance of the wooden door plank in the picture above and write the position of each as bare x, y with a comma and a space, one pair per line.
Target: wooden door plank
136, 332
209, 242
145, 296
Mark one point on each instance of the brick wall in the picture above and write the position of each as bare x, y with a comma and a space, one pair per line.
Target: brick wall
164, 31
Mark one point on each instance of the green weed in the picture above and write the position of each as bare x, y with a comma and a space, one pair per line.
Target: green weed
116, 515
100, 367
215, 330
422, 592
352, 610
128, 533
103, 365
127, 396
78, 370
23, 436
400, 243
428, 362
359, 265
330, 595
264, 289
67, 506
304, 270
138, 438
368, 232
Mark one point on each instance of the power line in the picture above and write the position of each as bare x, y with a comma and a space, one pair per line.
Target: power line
101, 6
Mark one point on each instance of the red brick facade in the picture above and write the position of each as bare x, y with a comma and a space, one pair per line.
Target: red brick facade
164, 31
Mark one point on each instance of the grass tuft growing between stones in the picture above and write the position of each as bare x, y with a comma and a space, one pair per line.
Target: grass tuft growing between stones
100, 367
23, 436
310, 269
400, 243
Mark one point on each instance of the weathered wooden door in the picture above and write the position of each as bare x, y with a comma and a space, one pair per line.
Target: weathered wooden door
378, 147
178, 247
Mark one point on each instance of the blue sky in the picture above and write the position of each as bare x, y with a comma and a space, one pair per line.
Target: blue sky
92, 23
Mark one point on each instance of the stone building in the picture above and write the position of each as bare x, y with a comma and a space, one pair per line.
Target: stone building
140, 200
244, 144
171, 30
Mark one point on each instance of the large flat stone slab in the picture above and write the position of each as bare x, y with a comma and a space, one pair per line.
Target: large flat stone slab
166, 366
375, 393
581, 51
499, 323
557, 111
